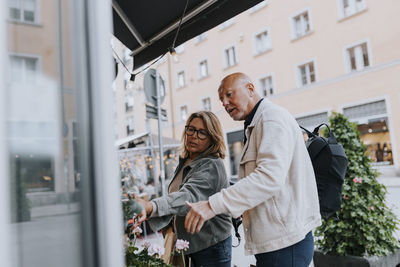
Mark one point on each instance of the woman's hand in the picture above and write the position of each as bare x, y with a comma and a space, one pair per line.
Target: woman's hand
148, 207
146, 211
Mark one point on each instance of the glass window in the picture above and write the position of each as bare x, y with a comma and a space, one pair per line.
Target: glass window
235, 146
306, 73
230, 57
267, 88
44, 145
23, 69
183, 112
181, 79
372, 122
358, 57
130, 127
351, 7
262, 42
23, 10
206, 103
203, 69
311, 121
301, 24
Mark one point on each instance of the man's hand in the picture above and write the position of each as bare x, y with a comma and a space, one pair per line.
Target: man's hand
199, 213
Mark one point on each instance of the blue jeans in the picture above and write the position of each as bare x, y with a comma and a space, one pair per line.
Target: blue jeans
297, 255
218, 255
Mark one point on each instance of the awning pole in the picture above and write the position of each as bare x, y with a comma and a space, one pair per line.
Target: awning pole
128, 23
174, 25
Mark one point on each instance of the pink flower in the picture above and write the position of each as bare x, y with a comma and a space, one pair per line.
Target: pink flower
137, 230
371, 208
146, 244
345, 197
181, 245
155, 249
357, 180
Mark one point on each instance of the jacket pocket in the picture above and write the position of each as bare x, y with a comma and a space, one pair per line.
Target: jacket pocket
248, 163
248, 156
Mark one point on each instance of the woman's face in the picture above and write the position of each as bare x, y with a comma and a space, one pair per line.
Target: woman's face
197, 137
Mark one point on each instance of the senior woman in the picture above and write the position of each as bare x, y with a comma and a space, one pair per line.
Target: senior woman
200, 174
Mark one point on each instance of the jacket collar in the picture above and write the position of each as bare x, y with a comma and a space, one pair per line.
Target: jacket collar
256, 118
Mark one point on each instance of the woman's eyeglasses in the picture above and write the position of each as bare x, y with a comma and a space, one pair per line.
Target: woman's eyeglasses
201, 134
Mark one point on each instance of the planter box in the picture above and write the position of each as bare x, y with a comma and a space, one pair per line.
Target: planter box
322, 260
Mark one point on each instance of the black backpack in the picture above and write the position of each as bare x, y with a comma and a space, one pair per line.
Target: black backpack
330, 164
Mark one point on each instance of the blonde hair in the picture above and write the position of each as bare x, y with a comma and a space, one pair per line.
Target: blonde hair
214, 130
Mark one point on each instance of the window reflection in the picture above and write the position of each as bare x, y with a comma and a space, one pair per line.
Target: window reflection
235, 146
42, 134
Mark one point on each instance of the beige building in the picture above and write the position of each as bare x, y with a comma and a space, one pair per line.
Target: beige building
312, 57
40, 71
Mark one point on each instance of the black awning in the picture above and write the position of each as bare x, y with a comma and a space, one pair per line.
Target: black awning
155, 22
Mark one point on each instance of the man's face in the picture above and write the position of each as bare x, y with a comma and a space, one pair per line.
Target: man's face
235, 98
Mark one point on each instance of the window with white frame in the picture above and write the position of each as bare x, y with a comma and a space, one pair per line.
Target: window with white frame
301, 24
266, 86
262, 42
23, 10
226, 24
311, 121
183, 112
129, 101
258, 7
206, 103
130, 125
203, 69
23, 68
181, 79
127, 78
357, 57
201, 37
373, 125
230, 57
306, 73
351, 7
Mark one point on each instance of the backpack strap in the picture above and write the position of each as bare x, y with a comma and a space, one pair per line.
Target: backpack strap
331, 138
310, 134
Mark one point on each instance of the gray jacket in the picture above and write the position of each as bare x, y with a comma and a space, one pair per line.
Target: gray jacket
203, 177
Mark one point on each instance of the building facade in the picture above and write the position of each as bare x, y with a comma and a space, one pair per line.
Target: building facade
311, 57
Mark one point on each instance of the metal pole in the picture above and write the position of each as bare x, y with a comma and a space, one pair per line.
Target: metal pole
152, 154
160, 144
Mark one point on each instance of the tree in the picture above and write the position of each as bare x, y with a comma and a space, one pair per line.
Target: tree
366, 224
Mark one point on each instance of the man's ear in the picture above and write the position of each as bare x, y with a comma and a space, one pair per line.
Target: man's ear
251, 89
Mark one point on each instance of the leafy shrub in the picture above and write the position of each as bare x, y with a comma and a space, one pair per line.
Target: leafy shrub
366, 225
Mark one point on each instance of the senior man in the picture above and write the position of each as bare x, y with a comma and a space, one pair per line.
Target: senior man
276, 193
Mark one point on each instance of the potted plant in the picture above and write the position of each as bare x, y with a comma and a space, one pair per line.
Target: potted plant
363, 233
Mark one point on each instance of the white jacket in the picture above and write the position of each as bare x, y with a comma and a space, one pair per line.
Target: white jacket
276, 192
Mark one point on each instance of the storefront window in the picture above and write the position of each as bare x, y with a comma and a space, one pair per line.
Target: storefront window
235, 146
376, 136
372, 122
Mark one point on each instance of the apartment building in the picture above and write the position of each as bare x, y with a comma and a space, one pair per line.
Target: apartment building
40, 71
312, 57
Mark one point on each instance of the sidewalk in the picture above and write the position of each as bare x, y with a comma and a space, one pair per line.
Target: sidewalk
55, 210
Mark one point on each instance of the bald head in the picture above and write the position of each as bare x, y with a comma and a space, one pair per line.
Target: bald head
237, 78
238, 95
